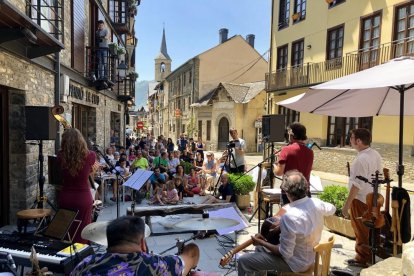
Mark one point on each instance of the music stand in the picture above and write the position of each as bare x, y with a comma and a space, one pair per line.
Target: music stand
59, 226
136, 181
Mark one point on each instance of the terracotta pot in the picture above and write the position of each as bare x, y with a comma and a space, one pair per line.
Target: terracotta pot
295, 16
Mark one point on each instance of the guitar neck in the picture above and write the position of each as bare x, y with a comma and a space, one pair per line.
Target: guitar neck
387, 191
227, 257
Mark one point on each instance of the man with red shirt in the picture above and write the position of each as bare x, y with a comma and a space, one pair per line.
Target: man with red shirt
295, 156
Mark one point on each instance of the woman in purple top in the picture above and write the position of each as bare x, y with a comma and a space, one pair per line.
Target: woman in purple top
76, 162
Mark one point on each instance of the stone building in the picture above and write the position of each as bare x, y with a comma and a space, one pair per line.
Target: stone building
236, 105
48, 57
233, 60
317, 41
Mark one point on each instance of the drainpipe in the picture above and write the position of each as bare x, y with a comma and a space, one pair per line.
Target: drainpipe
57, 97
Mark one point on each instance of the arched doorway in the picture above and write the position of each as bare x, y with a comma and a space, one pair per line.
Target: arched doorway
223, 133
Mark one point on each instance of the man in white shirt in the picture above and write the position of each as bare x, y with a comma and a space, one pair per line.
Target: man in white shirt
300, 230
366, 163
238, 164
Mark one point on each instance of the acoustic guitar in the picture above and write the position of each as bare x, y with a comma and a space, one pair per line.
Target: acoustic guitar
270, 230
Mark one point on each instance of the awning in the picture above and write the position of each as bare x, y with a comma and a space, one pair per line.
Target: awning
21, 35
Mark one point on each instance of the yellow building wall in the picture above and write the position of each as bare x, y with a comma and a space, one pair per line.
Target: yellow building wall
227, 62
320, 18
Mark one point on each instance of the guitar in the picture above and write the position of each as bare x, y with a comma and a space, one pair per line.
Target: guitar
270, 230
386, 229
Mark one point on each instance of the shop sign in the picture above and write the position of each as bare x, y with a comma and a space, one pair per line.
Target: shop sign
80, 94
140, 125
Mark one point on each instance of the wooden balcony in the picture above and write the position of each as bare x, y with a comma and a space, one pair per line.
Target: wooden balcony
313, 73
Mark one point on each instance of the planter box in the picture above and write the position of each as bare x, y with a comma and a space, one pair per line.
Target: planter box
340, 225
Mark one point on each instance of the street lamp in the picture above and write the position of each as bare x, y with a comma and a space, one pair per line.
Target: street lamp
122, 68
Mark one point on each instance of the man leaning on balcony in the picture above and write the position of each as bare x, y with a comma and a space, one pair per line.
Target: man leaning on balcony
102, 51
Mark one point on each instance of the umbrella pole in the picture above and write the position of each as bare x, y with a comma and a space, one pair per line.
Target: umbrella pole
400, 170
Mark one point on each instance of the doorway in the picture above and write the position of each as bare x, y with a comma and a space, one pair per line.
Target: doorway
4, 158
223, 133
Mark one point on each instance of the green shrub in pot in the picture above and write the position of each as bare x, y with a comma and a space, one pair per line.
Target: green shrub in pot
335, 195
242, 185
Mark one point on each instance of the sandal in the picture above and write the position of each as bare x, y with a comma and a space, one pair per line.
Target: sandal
353, 262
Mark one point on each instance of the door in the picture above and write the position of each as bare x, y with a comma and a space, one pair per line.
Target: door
370, 41
223, 133
4, 158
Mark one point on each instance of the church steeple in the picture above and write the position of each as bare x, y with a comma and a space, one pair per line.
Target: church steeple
163, 49
162, 61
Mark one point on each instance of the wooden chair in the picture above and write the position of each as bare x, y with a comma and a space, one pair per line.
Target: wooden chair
323, 252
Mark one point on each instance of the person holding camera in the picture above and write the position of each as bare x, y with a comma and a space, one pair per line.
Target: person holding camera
236, 148
102, 52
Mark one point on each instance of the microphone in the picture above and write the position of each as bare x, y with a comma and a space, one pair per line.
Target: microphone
362, 178
314, 144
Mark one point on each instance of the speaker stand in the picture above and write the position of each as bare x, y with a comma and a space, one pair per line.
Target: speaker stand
38, 203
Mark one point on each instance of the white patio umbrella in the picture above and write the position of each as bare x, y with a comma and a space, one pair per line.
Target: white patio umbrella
386, 89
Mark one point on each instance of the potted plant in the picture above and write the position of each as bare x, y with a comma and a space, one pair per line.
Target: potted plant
243, 185
337, 196
113, 47
120, 51
133, 76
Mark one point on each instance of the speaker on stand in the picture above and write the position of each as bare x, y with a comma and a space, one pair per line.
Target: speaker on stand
40, 125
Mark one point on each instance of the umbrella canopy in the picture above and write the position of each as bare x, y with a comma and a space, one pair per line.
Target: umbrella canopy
386, 89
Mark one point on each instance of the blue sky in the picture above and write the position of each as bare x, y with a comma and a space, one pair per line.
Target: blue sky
192, 27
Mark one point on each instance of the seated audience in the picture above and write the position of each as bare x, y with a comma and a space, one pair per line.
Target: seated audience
226, 192
171, 195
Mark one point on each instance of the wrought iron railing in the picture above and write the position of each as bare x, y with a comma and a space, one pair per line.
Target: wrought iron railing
119, 14
314, 73
48, 14
100, 65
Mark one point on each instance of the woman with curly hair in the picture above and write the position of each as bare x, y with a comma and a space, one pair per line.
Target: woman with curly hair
76, 162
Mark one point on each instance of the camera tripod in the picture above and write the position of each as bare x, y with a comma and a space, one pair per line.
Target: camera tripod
229, 158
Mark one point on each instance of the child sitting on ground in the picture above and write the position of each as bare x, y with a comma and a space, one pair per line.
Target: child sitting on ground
179, 186
158, 193
171, 195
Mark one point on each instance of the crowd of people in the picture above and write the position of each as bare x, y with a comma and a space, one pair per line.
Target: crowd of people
300, 226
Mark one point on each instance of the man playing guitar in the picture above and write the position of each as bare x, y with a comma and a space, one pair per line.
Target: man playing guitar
301, 228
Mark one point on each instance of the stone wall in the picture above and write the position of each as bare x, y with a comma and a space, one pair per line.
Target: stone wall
28, 84
333, 160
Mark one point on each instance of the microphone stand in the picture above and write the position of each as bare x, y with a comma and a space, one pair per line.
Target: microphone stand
117, 173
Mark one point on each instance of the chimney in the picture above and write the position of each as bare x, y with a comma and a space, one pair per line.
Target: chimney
250, 39
223, 33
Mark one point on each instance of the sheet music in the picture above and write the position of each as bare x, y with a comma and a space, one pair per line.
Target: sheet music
138, 179
230, 213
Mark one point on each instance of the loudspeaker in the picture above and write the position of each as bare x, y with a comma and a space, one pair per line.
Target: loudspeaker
273, 128
40, 123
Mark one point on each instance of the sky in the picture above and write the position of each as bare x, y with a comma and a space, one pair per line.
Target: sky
192, 27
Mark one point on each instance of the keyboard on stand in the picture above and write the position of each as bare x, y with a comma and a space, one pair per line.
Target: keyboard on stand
20, 245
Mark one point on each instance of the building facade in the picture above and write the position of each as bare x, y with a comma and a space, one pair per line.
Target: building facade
317, 41
233, 60
49, 55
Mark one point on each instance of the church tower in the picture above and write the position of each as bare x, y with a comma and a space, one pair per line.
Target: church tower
162, 61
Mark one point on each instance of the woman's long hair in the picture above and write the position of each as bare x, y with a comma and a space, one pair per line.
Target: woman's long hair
74, 151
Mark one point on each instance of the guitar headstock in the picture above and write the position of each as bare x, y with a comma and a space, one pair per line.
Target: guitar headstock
226, 258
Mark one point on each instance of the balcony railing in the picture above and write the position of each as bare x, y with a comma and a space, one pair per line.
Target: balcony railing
100, 67
48, 15
314, 73
125, 89
120, 15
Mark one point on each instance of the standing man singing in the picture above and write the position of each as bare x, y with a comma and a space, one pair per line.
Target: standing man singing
103, 51
295, 156
366, 163
238, 164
